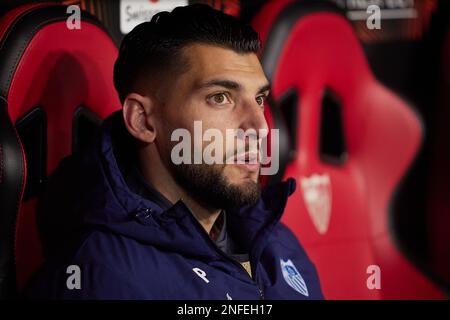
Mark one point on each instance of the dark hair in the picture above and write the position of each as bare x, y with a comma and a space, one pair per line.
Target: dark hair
153, 50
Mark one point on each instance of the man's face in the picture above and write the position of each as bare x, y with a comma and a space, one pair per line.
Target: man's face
224, 90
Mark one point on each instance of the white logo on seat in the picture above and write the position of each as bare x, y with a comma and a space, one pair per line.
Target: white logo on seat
317, 195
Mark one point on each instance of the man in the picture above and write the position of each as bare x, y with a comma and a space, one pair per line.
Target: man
122, 220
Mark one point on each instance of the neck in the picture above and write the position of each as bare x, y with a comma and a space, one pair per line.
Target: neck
156, 173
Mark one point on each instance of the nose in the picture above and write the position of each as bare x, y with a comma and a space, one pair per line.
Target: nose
252, 117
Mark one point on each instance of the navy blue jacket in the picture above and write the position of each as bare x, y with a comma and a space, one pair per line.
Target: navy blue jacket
127, 247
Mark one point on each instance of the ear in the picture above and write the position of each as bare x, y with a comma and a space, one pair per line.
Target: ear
139, 117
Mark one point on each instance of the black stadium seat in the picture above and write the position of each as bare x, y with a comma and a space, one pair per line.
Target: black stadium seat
56, 84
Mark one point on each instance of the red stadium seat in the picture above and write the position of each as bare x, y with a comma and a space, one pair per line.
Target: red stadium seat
56, 84
350, 142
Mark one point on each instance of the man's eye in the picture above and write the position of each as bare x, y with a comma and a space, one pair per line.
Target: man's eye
260, 100
219, 99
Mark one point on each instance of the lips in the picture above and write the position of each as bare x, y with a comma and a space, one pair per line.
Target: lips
248, 160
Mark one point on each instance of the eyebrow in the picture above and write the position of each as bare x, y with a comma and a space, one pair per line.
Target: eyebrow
264, 88
229, 84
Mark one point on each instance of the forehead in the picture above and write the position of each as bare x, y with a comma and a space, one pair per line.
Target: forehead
211, 62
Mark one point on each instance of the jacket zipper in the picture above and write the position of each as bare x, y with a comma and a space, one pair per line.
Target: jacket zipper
223, 254
260, 234
261, 294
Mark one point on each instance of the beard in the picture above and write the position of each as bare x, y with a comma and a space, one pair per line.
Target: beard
208, 185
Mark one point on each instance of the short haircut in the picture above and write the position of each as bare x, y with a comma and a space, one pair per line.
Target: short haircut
152, 51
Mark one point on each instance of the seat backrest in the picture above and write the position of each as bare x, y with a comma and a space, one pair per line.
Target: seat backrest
351, 142
56, 85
